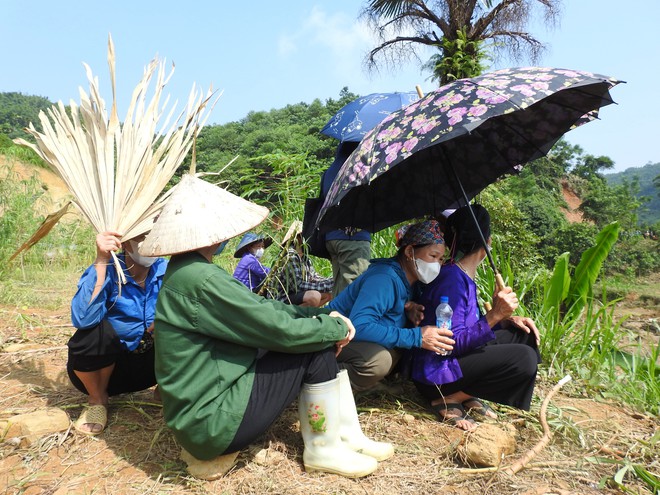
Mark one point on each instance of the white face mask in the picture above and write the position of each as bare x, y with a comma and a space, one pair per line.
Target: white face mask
426, 271
145, 261
259, 252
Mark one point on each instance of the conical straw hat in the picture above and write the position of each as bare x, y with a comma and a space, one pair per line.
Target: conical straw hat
294, 230
199, 214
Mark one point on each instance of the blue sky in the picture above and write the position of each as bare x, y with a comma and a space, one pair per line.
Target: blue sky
267, 54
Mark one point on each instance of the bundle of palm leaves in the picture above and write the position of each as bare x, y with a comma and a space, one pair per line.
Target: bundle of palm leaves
117, 172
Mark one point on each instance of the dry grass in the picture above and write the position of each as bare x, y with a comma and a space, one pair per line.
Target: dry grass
137, 454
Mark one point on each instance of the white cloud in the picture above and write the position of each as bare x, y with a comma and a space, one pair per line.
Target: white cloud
335, 35
329, 48
286, 46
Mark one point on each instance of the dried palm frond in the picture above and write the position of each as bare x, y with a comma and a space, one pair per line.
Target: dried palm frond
43, 230
117, 172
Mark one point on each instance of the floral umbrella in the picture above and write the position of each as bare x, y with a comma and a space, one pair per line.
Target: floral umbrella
442, 150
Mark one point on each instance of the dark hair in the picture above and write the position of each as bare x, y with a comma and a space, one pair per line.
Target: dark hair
462, 234
400, 252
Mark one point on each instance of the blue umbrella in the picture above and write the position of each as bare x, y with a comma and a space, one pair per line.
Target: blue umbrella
361, 115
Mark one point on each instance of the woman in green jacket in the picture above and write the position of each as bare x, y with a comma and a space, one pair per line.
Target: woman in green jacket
228, 361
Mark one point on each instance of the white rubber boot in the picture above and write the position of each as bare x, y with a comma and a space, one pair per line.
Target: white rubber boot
318, 408
350, 430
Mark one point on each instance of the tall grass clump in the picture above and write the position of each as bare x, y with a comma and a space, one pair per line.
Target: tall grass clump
581, 334
51, 264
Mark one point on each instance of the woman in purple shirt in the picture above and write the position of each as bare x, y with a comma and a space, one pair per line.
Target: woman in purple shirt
249, 271
495, 355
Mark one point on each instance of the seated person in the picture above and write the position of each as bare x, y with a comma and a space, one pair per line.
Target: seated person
297, 282
229, 361
495, 354
376, 304
249, 271
111, 351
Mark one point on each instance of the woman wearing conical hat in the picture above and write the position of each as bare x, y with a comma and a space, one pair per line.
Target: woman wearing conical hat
250, 271
229, 361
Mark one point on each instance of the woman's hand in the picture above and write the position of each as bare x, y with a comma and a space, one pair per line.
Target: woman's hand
525, 324
349, 336
437, 340
414, 312
106, 243
505, 302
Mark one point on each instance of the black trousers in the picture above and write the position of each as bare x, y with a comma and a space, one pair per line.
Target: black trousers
277, 383
95, 348
502, 371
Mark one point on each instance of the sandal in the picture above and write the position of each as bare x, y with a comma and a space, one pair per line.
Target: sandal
442, 410
479, 407
92, 415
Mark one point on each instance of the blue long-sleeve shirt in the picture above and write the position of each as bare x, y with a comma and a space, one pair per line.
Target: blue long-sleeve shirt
375, 302
129, 314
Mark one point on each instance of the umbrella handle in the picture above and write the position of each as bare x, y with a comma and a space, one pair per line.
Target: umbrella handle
499, 284
499, 281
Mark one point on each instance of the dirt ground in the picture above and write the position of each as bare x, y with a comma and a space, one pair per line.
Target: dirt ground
137, 454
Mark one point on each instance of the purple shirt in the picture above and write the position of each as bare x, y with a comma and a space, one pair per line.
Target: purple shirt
250, 271
471, 330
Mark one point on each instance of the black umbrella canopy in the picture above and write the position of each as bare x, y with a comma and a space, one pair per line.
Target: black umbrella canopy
461, 137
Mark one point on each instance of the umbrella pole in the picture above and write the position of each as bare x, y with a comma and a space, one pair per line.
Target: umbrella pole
498, 277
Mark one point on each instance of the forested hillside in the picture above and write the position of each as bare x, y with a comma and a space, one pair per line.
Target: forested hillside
18, 110
649, 213
279, 156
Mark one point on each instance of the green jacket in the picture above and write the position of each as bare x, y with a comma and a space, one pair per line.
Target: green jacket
209, 327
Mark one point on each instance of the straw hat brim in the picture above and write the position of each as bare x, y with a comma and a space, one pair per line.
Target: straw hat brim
197, 215
294, 229
244, 246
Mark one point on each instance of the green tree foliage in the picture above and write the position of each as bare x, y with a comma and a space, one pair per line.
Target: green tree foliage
461, 31
602, 203
282, 182
593, 166
649, 187
459, 58
262, 137
516, 242
281, 156
18, 110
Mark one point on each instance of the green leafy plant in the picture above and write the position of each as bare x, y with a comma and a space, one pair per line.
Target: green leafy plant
628, 468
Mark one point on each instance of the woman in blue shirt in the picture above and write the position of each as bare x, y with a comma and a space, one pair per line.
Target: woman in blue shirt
111, 351
477, 368
378, 300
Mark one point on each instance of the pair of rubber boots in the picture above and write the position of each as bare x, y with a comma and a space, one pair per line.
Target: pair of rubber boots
334, 441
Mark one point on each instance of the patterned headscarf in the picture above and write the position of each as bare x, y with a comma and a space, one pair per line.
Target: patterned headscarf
420, 234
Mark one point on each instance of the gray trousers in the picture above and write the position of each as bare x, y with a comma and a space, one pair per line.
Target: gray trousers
367, 363
349, 259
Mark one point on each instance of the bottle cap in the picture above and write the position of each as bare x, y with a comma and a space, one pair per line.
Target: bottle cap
444, 299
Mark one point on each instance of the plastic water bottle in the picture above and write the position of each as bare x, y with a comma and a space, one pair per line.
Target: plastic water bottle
443, 314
